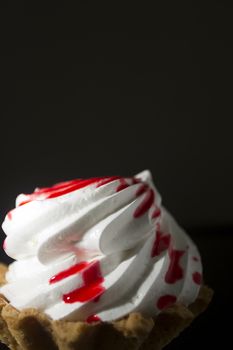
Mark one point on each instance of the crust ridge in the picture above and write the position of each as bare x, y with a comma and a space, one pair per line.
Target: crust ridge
31, 329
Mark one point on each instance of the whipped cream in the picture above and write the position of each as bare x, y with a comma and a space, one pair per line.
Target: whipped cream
98, 249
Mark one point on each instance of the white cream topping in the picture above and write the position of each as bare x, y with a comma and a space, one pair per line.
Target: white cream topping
145, 260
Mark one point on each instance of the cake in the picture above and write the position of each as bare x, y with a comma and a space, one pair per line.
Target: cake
99, 263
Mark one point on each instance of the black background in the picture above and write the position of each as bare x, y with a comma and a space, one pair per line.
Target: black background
106, 90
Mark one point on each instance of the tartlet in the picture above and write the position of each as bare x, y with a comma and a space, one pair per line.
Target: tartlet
100, 264
33, 330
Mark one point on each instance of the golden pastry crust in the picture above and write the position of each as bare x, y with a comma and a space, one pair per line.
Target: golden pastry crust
31, 329
3, 270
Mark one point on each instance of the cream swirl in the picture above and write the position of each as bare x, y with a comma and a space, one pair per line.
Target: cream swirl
98, 249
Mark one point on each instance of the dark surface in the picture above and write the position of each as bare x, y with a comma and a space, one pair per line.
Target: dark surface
213, 328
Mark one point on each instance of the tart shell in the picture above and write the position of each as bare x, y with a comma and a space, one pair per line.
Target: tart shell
31, 329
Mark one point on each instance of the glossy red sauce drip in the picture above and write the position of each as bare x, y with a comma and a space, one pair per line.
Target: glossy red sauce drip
197, 277
156, 213
58, 186
145, 205
106, 180
68, 272
63, 188
83, 294
166, 301
93, 274
136, 181
161, 243
142, 189
175, 271
122, 186
93, 318
92, 286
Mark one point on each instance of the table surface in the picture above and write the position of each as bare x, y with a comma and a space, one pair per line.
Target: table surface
212, 328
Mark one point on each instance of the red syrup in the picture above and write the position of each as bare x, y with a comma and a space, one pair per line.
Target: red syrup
122, 186
145, 205
63, 188
136, 181
92, 287
156, 213
142, 189
106, 180
84, 294
175, 271
93, 318
165, 301
69, 272
161, 243
197, 278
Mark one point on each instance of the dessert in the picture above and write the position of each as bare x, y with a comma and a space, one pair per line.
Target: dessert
98, 262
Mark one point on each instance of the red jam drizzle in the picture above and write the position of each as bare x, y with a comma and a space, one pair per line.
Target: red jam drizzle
165, 301
66, 187
197, 278
145, 205
156, 213
142, 189
84, 294
92, 286
69, 272
161, 243
122, 186
175, 271
105, 181
93, 318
